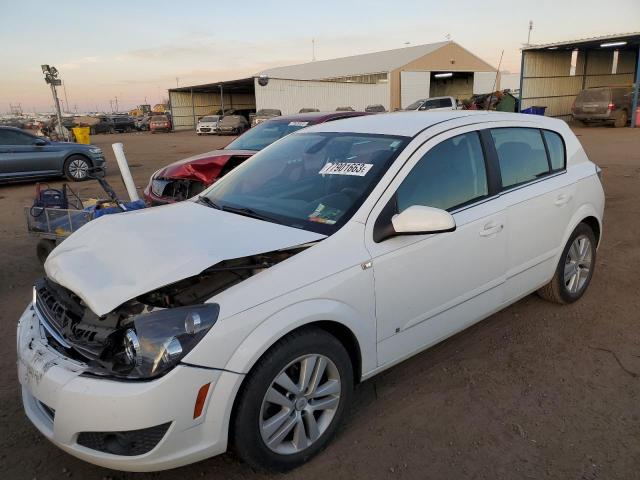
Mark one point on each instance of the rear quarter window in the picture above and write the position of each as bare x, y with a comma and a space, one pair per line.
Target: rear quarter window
521, 155
556, 149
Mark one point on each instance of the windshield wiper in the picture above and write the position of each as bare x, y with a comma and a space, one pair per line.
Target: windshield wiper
208, 202
248, 212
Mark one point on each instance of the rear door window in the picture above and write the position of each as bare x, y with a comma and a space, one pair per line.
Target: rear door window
521, 155
449, 175
11, 137
555, 147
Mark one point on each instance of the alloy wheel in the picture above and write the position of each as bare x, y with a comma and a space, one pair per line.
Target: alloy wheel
300, 404
78, 169
578, 264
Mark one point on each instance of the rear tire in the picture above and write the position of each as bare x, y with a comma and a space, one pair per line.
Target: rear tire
621, 119
286, 430
76, 168
575, 268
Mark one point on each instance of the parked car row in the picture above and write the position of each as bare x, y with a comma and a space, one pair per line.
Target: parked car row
246, 315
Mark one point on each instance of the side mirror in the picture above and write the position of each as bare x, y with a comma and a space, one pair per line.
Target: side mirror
39, 143
418, 219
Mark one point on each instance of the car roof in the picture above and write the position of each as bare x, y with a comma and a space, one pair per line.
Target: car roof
409, 124
317, 117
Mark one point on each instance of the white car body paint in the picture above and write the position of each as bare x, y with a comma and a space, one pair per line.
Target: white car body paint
396, 297
158, 246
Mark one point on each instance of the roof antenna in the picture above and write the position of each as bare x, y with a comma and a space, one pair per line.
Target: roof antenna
529, 35
313, 49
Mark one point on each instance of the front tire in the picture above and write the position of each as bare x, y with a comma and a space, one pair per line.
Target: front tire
76, 168
293, 401
575, 268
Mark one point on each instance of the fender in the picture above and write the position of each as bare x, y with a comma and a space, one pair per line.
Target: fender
300, 314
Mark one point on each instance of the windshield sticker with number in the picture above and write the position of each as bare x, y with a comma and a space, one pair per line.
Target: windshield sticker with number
357, 169
298, 124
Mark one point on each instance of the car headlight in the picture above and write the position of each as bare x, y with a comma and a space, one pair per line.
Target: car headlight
95, 150
158, 340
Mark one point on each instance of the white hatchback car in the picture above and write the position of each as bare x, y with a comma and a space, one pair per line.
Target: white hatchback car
245, 317
208, 125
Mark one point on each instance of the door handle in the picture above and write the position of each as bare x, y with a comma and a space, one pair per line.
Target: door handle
562, 200
491, 228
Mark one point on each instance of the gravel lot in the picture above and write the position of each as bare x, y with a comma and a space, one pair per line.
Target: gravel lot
537, 391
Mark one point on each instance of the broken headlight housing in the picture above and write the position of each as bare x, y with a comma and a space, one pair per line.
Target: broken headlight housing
155, 342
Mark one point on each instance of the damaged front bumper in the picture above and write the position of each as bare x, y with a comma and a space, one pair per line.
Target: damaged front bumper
124, 425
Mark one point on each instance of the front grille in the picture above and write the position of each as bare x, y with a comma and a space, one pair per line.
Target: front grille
178, 189
127, 443
57, 313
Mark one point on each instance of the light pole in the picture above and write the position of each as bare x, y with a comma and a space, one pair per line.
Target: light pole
51, 77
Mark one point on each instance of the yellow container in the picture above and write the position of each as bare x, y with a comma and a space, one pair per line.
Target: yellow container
82, 135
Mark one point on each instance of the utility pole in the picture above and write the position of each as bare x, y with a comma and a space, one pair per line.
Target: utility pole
313, 49
117, 109
529, 35
177, 85
66, 100
51, 77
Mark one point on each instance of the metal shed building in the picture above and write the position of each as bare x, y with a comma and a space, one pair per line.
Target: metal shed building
393, 78
553, 74
188, 104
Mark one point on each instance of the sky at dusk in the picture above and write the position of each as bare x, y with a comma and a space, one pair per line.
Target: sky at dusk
136, 50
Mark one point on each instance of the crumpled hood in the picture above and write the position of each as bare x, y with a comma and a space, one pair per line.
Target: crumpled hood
118, 257
204, 167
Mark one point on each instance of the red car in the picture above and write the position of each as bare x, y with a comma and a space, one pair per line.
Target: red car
186, 178
160, 123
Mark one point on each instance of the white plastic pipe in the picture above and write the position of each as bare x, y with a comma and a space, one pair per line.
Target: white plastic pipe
118, 150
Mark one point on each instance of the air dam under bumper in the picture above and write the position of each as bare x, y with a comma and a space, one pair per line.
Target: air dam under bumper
62, 404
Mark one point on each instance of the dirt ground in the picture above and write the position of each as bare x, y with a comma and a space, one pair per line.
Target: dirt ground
537, 391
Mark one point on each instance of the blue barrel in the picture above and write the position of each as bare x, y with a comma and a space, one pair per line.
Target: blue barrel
535, 110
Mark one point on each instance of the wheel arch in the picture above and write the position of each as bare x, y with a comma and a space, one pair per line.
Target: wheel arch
594, 224
77, 154
587, 213
337, 329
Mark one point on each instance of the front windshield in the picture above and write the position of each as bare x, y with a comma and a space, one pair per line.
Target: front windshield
264, 134
313, 181
415, 105
209, 119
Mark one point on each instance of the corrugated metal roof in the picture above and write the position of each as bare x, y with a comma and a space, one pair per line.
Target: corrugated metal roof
631, 37
376, 62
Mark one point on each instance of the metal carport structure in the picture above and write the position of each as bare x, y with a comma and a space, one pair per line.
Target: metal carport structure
553, 74
188, 104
